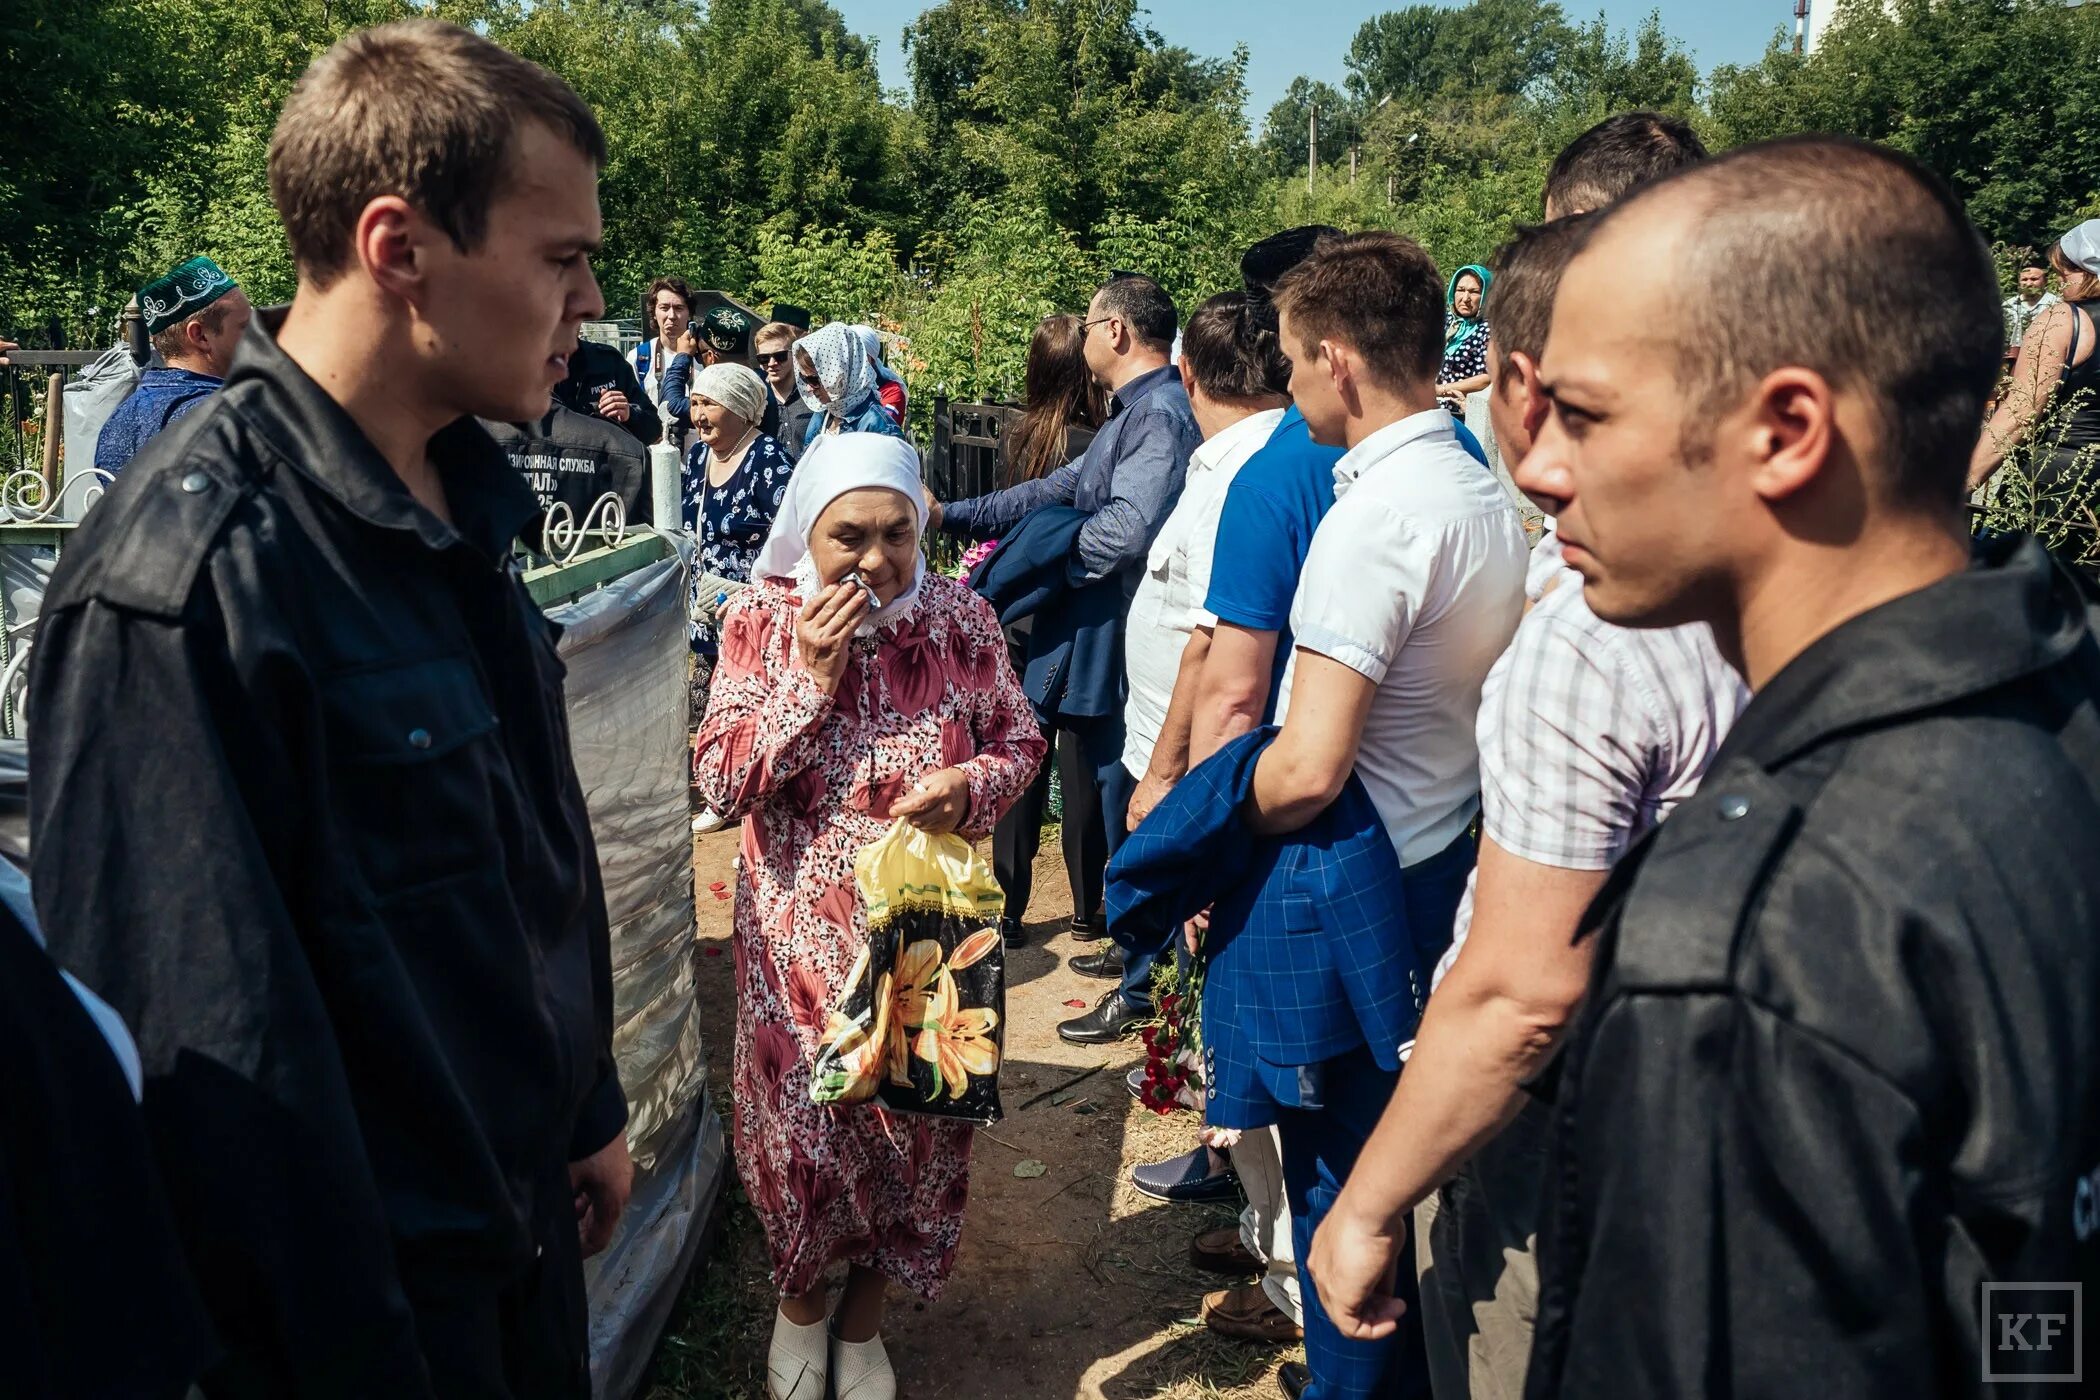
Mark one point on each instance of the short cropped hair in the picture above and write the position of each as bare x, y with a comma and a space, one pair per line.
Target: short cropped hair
1231, 349
1527, 278
1852, 260
172, 342
1377, 292
1143, 305
417, 108
1616, 157
774, 333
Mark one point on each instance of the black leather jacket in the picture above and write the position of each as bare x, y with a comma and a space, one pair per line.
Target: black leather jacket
303, 812
1839, 1066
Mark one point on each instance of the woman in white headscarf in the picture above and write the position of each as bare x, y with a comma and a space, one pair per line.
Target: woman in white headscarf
854, 687
889, 385
2059, 360
735, 478
839, 384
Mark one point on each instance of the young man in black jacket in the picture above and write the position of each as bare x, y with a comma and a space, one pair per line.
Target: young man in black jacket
1838, 1069
304, 811
601, 384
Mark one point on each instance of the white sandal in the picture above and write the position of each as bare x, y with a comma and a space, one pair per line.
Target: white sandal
862, 1370
799, 1362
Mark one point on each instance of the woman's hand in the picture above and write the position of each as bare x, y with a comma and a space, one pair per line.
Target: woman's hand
937, 803
824, 632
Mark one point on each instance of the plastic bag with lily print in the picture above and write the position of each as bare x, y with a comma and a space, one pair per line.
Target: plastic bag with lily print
920, 1022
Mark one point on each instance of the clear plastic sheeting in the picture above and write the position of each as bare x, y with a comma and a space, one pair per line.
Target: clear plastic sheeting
625, 647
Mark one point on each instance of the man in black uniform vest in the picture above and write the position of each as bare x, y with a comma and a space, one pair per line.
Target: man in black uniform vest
304, 810
1837, 1076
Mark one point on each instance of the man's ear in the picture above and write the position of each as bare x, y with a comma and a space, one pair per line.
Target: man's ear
1520, 381
1340, 363
1789, 432
389, 244
1188, 379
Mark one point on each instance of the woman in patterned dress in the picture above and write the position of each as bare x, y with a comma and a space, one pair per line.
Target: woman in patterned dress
837, 709
733, 482
1465, 337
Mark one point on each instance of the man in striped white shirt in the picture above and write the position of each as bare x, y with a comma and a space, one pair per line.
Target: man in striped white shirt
1588, 735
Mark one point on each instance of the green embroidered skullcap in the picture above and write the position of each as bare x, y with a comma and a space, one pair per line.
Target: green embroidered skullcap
182, 292
728, 329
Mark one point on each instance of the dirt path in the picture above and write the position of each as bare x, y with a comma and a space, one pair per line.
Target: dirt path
1070, 1285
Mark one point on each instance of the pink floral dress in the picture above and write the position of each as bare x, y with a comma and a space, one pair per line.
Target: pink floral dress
814, 775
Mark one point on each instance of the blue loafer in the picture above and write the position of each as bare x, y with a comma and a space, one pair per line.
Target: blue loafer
1187, 1178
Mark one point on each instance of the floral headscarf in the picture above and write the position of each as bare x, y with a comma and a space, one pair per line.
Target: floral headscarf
841, 365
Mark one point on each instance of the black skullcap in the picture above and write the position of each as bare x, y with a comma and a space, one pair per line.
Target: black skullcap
1263, 265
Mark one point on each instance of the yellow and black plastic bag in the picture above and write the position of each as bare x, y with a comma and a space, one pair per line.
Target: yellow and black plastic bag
921, 1021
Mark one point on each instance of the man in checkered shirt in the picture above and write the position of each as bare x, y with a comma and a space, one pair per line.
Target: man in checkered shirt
1589, 734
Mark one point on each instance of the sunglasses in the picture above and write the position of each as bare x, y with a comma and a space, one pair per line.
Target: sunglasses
774, 357
812, 381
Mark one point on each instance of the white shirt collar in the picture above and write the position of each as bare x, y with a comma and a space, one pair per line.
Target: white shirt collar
1428, 425
1250, 432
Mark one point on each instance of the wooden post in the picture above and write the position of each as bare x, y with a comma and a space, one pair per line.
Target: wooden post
54, 428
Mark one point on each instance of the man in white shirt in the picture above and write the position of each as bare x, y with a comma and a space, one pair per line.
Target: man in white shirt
1233, 370
669, 308
1224, 349
2034, 297
1413, 586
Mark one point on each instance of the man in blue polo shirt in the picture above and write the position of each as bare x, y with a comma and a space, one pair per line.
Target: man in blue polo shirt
1266, 527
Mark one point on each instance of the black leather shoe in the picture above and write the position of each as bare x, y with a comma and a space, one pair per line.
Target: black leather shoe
1293, 1376
1096, 927
1110, 1021
1012, 934
1106, 964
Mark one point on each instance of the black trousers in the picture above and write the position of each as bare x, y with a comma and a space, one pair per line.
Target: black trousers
526, 1338
1019, 834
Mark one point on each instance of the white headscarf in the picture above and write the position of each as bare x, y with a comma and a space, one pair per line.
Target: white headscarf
870, 341
735, 387
838, 464
840, 362
2082, 246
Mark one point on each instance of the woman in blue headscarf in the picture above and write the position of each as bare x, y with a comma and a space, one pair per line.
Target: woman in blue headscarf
1465, 336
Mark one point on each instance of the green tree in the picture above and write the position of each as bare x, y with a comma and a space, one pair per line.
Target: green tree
829, 272
1599, 71
1284, 134
1072, 107
1998, 96
1426, 52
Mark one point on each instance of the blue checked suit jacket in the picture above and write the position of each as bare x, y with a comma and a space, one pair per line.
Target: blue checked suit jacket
1309, 953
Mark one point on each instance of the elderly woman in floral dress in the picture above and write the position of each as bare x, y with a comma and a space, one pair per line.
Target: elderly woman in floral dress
854, 687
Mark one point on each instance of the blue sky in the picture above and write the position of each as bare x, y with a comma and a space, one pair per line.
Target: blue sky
1289, 37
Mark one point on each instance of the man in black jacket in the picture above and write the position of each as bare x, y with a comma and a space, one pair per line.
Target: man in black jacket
569, 457
303, 806
1839, 1064
601, 384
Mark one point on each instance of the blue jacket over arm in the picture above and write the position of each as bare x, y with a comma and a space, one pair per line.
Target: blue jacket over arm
1309, 953
1074, 668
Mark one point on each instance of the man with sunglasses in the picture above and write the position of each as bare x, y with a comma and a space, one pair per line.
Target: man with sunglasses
1126, 485
787, 416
